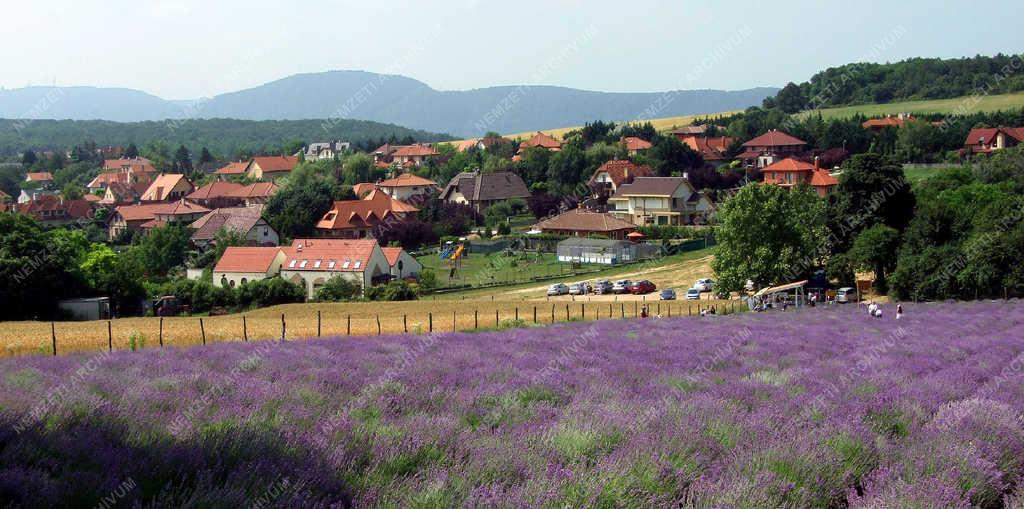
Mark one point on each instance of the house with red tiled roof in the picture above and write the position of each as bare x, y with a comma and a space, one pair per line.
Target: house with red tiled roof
403, 265
52, 210
790, 172
407, 187
271, 167
689, 130
986, 139
246, 222
258, 193
609, 176
412, 155
120, 193
540, 140
660, 201
363, 188
770, 147
582, 223
312, 262
39, 178
134, 164
167, 188
877, 124
481, 190
216, 194
232, 169
635, 145
242, 264
130, 218
713, 149
125, 171
356, 219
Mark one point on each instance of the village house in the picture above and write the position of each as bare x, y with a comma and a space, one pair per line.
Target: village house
120, 193
383, 154
790, 172
167, 188
987, 139
582, 223
31, 195
770, 147
689, 130
258, 193
356, 219
325, 150
130, 218
481, 190
310, 263
660, 201
124, 171
714, 150
540, 140
403, 265
216, 194
233, 169
412, 155
129, 164
53, 210
609, 176
363, 188
241, 264
246, 222
877, 124
39, 178
635, 145
268, 168
407, 187
181, 211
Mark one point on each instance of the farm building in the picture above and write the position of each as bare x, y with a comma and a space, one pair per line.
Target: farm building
311, 262
603, 251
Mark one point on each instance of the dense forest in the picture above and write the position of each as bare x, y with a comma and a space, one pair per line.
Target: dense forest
912, 79
225, 137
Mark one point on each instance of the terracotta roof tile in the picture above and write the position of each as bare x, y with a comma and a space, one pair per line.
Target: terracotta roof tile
774, 138
622, 171
406, 180
247, 259
362, 213
214, 190
233, 168
38, 176
580, 220
158, 189
633, 143
270, 164
257, 190
392, 254
329, 255
415, 149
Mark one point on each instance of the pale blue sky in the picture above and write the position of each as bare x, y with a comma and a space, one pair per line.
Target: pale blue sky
181, 49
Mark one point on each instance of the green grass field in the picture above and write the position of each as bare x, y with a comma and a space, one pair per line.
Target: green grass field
495, 268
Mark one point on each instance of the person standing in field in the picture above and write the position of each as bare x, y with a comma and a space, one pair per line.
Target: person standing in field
899, 311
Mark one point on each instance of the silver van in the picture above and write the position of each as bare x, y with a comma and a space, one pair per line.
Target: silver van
846, 294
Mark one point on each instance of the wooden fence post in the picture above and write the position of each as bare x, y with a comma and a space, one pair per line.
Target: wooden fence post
110, 338
245, 330
348, 325
495, 317
583, 311
534, 314
670, 310
622, 309
318, 323
405, 324
636, 308
430, 321
283, 327
567, 312
689, 310
378, 325
552, 313
476, 319
517, 313
53, 335
202, 330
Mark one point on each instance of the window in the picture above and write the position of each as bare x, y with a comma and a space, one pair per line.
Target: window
244, 280
224, 281
292, 264
345, 265
266, 232
399, 264
303, 264
232, 284
316, 264
331, 264
356, 266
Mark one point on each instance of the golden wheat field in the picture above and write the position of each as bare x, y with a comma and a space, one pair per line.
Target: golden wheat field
336, 319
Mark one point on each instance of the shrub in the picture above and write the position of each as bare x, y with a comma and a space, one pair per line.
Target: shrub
338, 289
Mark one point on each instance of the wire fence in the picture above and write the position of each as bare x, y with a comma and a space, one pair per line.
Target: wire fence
58, 338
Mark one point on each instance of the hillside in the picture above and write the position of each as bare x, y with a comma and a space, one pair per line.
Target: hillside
224, 137
376, 97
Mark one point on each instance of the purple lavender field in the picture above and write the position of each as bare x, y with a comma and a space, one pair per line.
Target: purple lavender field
816, 408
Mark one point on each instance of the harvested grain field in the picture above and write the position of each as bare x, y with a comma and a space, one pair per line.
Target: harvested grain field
301, 321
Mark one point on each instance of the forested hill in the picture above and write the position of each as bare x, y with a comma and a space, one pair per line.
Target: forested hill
225, 137
912, 79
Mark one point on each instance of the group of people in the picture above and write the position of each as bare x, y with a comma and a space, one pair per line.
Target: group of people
875, 310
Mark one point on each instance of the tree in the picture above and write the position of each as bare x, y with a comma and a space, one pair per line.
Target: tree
875, 249
36, 269
107, 274
206, 159
769, 235
28, 158
543, 205
301, 201
72, 191
132, 151
160, 250
669, 156
338, 289
790, 99
871, 191
357, 168
182, 162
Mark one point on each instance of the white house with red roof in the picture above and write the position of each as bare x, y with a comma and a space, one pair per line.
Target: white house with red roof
271, 167
312, 262
986, 139
240, 265
407, 186
403, 264
413, 155
609, 176
167, 188
770, 147
790, 172
356, 219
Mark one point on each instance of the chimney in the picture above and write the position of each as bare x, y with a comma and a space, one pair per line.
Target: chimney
686, 175
817, 163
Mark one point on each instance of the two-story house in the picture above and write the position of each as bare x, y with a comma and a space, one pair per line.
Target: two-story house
660, 201
770, 147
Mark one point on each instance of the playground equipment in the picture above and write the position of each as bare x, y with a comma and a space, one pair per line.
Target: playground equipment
453, 253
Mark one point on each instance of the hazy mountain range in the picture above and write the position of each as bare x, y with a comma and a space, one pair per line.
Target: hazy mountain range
381, 98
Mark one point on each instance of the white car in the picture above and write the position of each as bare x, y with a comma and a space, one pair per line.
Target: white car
693, 294
846, 294
558, 289
704, 285
581, 288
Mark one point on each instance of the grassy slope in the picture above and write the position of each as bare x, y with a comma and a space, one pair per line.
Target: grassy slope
957, 105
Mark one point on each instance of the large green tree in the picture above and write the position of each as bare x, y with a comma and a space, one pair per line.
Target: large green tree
304, 197
871, 191
769, 235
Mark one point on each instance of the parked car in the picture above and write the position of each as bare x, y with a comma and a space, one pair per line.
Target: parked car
846, 294
641, 287
667, 294
578, 288
558, 289
704, 285
602, 287
621, 286
693, 294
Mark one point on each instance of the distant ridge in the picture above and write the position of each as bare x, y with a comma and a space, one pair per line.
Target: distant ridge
381, 98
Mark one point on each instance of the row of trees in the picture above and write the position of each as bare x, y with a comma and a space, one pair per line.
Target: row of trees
952, 235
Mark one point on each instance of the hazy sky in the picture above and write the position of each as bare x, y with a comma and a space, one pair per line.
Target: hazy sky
180, 49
